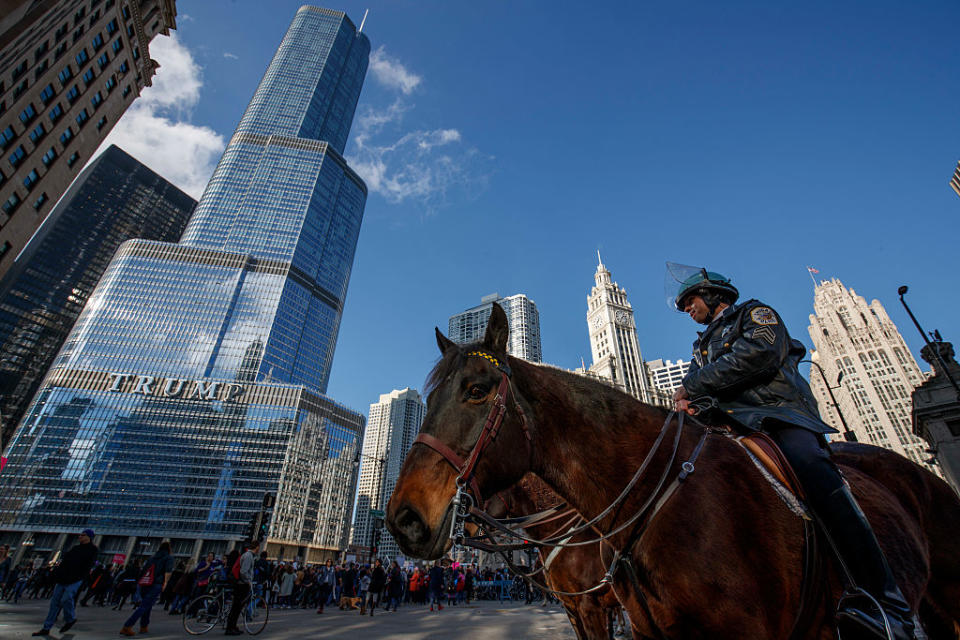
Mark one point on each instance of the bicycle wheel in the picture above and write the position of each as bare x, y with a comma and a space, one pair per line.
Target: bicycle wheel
203, 614
255, 614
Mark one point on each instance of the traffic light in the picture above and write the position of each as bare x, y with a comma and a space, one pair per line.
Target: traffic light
253, 529
269, 499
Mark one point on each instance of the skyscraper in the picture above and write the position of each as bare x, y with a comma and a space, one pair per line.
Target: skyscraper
68, 71
116, 198
955, 180
667, 376
392, 426
613, 337
193, 381
879, 372
522, 318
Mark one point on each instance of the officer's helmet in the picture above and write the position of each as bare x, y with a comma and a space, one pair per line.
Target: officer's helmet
703, 281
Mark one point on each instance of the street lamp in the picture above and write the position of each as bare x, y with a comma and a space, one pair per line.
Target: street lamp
902, 291
848, 435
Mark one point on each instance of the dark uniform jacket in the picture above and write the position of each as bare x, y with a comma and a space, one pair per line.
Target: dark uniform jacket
746, 360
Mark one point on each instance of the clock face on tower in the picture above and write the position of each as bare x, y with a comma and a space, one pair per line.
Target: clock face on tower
623, 317
598, 321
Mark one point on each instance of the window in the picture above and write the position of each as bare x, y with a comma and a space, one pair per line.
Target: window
126, 12
111, 84
130, 30
118, 45
88, 77
136, 53
97, 41
3, 106
109, 4
28, 114
31, 180
96, 100
47, 94
94, 17
126, 91
82, 118
124, 67
39, 202
20, 70
17, 156
72, 160
61, 49
66, 137
65, 74
112, 27
10, 206
82, 57
61, 32
41, 69
6, 137
56, 112
101, 123
40, 51
49, 157
38, 133
6, 247
19, 90
78, 34
78, 16
103, 61
73, 94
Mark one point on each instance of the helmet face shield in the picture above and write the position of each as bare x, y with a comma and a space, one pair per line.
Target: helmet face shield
681, 280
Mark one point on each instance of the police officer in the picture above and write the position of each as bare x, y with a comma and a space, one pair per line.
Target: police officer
746, 361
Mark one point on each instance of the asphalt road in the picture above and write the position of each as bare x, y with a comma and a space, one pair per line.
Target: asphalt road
480, 620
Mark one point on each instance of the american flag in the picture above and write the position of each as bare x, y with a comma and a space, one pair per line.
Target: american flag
812, 270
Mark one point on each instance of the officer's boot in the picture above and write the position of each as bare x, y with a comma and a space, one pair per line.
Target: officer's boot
854, 540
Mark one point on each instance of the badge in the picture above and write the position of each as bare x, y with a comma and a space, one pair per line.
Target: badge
765, 333
763, 316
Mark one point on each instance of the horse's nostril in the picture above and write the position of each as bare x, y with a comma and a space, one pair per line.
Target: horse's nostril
411, 525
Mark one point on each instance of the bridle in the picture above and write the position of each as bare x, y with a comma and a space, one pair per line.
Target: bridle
466, 469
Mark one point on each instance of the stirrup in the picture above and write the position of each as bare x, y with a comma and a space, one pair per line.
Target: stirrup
859, 608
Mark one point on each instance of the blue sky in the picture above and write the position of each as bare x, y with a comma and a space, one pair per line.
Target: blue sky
504, 143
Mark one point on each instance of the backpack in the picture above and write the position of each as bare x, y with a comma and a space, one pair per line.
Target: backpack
146, 580
235, 571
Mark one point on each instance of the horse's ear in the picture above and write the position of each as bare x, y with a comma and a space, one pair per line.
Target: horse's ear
497, 331
443, 341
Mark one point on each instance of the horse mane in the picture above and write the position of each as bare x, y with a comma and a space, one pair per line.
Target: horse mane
454, 358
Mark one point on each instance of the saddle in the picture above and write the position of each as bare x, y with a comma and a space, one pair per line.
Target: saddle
765, 451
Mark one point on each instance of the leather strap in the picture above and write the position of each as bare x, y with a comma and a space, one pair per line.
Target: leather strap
447, 454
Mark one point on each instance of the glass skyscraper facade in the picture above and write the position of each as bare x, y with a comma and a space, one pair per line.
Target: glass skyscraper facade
522, 317
193, 381
114, 199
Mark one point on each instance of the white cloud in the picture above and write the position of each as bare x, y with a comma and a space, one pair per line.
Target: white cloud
156, 128
230, 56
391, 72
427, 165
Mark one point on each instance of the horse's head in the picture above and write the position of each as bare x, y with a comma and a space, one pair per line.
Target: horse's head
465, 387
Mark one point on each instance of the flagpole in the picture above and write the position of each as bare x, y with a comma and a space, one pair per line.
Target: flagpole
812, 279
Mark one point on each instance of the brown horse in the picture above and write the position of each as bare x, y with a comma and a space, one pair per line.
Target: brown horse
567, 569
722, 558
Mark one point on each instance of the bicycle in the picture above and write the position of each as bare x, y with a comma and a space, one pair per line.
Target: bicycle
207, 611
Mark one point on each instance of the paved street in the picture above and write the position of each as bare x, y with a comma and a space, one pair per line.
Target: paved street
483, 620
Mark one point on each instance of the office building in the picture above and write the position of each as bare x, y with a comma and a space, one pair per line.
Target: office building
667, 376
68, 71
116, 198
879, 373
392, 426
522, 318
955, 180
613, 337
192, 384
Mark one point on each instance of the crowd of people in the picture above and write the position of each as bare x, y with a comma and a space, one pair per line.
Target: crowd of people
79, 579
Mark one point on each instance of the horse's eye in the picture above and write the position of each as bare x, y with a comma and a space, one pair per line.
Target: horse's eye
477, 392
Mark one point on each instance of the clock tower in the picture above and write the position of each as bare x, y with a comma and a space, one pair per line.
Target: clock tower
613, 337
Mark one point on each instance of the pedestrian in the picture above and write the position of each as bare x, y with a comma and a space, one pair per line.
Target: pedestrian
69, 575
435, 582
287, 580
182, 589
395, 581
153, 580
326, 580
378, 580
243, 574
126, 583
348, 587
364, 586
6, 563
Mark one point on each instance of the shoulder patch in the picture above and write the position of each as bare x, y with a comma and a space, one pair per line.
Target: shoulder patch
765, 333
763, 316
